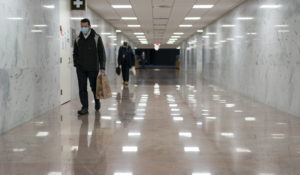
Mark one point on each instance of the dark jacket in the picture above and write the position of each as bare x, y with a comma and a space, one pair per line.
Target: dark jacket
126, 56
87, 56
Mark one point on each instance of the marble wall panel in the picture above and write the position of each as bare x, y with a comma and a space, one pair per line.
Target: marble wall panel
258, 57
29, 60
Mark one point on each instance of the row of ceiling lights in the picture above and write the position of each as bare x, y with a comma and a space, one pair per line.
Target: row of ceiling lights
174, 38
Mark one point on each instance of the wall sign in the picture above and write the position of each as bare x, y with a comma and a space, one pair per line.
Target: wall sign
78, 4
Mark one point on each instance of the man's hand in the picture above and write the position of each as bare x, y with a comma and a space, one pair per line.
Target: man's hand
102, 71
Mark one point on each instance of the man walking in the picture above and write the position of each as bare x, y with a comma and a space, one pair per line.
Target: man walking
89, 57
126, 60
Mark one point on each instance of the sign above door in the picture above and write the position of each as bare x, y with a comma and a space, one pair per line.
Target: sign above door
78, 5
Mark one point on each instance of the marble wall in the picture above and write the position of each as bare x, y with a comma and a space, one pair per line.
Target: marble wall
191, 56
30, 57
29, 60
258, 56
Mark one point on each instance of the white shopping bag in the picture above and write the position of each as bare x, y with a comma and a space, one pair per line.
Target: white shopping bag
132, 69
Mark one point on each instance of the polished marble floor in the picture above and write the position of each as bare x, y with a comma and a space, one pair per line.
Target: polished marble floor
165, 123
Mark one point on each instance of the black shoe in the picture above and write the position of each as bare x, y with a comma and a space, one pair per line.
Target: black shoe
97, 105
83, 111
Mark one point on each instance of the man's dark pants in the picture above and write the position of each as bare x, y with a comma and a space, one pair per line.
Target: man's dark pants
82, 82
125, 72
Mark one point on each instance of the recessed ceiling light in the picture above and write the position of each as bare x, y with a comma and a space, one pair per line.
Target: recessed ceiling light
19, 149
243, 150
186, 25
244, 18
228, 25
200, 31
283, 31
15, 18
211, 33
76, 18
250, 119
281, 25
129, 18
95, 26
40, 25
118, 31
185, 134
36, 31
134, 134
192, 18
130, 149
138, 33
175, 36
203, 6
178, 33
204, 173
270, 6
123, 173
49, 6
122, 6
103, 33
227, 134
134, 25
191, 149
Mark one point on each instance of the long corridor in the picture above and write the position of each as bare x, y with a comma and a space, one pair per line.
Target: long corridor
165, 123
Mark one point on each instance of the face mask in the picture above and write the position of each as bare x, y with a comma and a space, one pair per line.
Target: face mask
84, 30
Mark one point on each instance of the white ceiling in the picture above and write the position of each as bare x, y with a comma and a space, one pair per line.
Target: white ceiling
159, 19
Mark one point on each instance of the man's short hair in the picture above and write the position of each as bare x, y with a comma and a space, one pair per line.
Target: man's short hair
86, 20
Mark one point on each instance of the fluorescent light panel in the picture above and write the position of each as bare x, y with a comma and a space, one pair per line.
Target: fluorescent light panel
270, 6
122, 6
138, 33
245, 18
192, 18
76, 18
49, 6
191, 149
134, 25
186, 25
122, 173
203, 6
129, 18
228, 25
40, 25
36, 31
15, 18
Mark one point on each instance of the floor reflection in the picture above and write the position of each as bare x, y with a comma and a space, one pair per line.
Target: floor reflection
126, 106
90, 157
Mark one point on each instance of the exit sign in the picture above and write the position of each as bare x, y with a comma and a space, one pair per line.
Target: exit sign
78, 5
